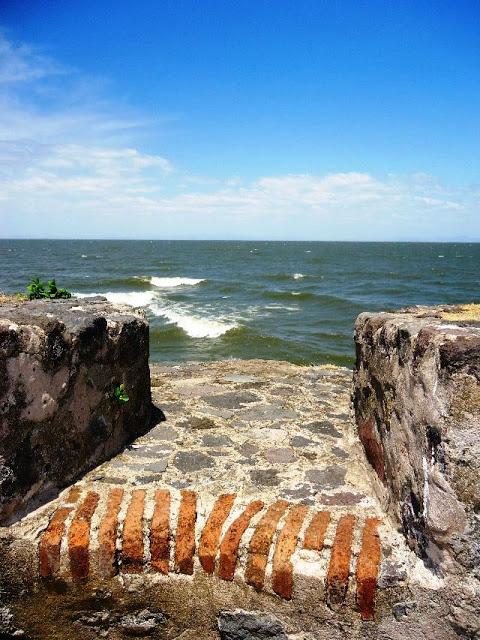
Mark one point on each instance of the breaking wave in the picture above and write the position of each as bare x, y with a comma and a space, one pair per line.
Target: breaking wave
132, 298
194, 326
167, 283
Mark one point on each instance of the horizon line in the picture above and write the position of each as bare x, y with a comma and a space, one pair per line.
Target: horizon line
122, 239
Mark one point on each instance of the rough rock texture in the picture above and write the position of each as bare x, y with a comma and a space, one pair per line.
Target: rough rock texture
417, 405
249, 625
60, 362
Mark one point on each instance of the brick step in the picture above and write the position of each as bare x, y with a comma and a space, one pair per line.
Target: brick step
106, 531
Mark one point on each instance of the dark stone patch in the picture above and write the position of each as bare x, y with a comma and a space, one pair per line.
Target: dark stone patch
249, 625
300, 441
248, 449
142, 624
268, 412
340, 453
391, 574
149, 451
10, 343
338, 416
179, 484
217, 454
340, 498
211, 440
284, 392
402, 610
303, 492
463, 353
325, 427
164, 432
56, 349
264, 477
173, 407
111, 480
147, 479
330, 477
231, 400
281, 455
187, 461
198, 423
157, 467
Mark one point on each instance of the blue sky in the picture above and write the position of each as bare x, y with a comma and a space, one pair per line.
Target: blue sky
269, 120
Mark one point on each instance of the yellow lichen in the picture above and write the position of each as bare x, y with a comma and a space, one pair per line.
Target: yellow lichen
464, 312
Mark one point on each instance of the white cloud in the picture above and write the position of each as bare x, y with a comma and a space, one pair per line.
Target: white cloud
74, 162
20, 63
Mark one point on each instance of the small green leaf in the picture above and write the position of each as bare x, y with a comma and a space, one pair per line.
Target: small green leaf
120, 393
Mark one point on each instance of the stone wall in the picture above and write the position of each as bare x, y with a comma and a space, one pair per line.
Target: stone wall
417, 405
60, 362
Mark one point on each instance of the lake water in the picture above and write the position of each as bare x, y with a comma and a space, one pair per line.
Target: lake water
295, 301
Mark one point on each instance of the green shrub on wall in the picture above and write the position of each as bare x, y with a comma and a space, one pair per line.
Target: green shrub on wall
38, 290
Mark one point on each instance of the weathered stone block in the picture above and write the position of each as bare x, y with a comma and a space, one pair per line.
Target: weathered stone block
417, 406
60, 362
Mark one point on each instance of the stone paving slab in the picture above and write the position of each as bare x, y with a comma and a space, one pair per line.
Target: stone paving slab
299, 442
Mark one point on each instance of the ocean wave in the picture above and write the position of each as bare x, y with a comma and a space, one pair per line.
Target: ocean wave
287, 295
194, 326
167, 283
132, 298
277, 307
285, 277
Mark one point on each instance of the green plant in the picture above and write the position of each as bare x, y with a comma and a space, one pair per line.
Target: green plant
120, 393
38, 290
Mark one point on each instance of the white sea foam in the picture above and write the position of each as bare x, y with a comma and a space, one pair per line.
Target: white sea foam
298, 276
194, 326
167, 283
133, 298
283, 307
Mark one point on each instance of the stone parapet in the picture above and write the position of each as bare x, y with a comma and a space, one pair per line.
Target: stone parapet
417, 406
60, 363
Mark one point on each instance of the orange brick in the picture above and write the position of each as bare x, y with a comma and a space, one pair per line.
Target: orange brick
49, 545
231, 540
282, 573
185, 534
315, 533
132, 549
260, 544
107, 534
207, 549
79, 537
339, 567
367, 569
160, 532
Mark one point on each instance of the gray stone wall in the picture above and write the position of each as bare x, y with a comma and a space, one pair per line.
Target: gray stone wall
60, 362
417, 406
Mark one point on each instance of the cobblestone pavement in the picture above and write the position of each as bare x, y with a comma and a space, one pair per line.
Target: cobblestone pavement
253, 492
272, 427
